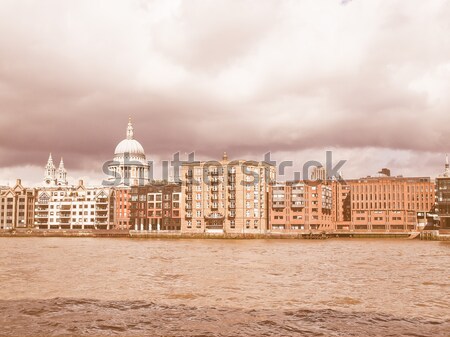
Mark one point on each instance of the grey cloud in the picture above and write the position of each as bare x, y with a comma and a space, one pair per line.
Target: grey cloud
228, 76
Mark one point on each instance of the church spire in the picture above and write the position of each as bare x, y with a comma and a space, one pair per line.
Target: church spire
62, 174
50, 160
130, 132
50, 171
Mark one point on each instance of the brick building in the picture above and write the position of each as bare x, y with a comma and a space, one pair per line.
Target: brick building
156, 206
225, 196
17, 206
383, 203
300, 206
122, 208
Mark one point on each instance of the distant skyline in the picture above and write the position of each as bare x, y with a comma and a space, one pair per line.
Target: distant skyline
366, 80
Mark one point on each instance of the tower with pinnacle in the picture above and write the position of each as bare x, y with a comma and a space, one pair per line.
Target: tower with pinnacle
50, 172
53, 176
61, 174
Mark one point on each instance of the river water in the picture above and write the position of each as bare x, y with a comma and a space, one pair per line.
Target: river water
335, 287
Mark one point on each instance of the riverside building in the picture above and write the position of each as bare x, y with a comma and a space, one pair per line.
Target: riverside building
122, 207
225, 196
17, 206
443, 199
299, 205
156, 207
74, 207
384, 203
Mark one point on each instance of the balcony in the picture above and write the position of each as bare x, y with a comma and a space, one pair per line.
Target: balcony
278, 204
214, 215
299, 197
215, 206
231, 214
298, 204
232, 205
232, 188
231, 197
188, 215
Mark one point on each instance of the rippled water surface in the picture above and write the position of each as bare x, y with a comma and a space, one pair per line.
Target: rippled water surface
79, 286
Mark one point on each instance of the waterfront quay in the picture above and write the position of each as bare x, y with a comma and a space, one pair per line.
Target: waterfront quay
313, 235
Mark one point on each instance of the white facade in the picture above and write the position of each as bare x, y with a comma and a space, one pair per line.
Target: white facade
74, 207
129, 167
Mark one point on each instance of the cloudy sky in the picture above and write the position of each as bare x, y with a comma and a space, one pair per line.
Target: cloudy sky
369, 80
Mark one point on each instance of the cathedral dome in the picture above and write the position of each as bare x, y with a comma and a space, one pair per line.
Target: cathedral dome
129, 146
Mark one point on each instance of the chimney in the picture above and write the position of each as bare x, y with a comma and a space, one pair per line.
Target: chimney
80, 182
18, 181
